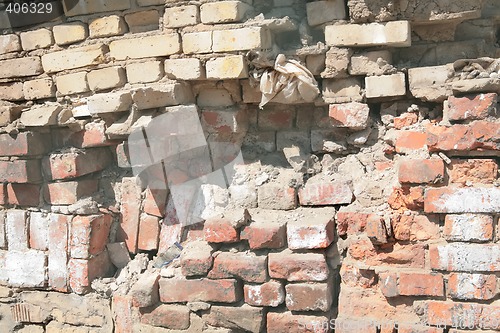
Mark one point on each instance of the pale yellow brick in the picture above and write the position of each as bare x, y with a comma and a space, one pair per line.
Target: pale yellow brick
370, 63
176, 17
144, 47
184, 69
73, 58
385, 85
74, 83
38, 89
110, 102
197, 42
9, 43
20, 67
159, 95
395, 33
36, 39
319, 12
241, 39
342, 90
144, 72
106, 78
112, 25
70, 33
230, 67
143, 21
223, 11
429, 83
83, 7
144, 3
12, 91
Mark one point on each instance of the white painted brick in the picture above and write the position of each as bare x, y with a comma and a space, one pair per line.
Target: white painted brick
468, 227
3, 240
395, 33
16, 230
319, 12
72, 83
144, 47
37, 89
106, 78
110, 102
184, 69
73, 58
181, 16
39, 231
36, 39
9, 43
370, 63
230, 67
26, 268
83, 7
451, 200
70, 33
223, 11
144, 72
385, 85
241, 39
197, 42
466, 257
113, 25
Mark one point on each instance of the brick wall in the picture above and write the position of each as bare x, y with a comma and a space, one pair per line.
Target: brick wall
373, 208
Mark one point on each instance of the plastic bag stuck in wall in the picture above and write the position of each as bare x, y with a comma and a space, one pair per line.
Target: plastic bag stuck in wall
287, 82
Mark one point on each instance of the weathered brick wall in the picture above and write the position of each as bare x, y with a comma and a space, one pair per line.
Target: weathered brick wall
373, 208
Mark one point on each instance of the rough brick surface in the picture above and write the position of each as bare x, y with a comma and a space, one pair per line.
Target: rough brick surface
152, 46
468, 227
73, 58
465, 257
205, 290
471, 107
449, 200
396, 34
325, 194
313, 229
308, 297
270, 293
298, 267
421, 171
249, 268
352, 115
20, 67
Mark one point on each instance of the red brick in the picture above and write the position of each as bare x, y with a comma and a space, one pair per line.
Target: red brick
244, 318
270, 293
421, 171
466, 286
395, 255
463, 315
308, 296
248, 267
415, 227
20, 171
351, 223
149, 233
482, 171
388, 283
155, 202
468, 227
169, 234
89, 235
224, 122
67, 193
196, 258
3, 194
471, 107
23, 194
82, 271
275, 119
24, 144
312, 229
451, 200
273, 196
416, 328
220, 230
204, 290
287, 322
353, 115
465, 257
357, 277
320, 194
58, 251
38, 231
407, 198
298, 266
405, 120
262, 235
75, 164
421, 284
93, 135
410, 140
122, 313
145, 291
168, 316
128, 231
477, 136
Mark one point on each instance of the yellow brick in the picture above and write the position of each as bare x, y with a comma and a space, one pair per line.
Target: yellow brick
184, 69
395, 33
241, 39
385, 85
113, 25
144, 47
36, 39
65, 34
144, 72
74, 83
143, 21
106, 78
230, 67
12, 91
38, 89
181, 16
197, 42
223, 11
20, 67
9, 43
73, 58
